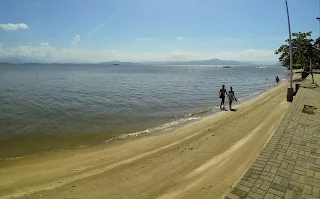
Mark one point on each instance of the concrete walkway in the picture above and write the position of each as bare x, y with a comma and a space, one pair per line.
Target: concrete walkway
289, 165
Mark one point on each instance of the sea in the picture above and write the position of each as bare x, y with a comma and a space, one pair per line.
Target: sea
50, 107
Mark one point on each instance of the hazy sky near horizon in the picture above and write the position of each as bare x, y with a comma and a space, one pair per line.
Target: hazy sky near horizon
141, 30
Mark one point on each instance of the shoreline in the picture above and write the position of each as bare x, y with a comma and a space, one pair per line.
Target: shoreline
168, 127
188, 152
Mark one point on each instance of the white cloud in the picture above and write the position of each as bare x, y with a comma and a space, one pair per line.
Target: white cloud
46, 52
11, 26
143, 39
180, 38
39, 51
76, 40
44, 44
182, 54
111, 51
249, 55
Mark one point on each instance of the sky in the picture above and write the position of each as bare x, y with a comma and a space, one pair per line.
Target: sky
151, 30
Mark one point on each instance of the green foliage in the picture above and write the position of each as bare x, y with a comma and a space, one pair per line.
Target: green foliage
304, 49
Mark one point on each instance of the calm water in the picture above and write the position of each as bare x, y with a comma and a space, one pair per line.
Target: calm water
47, 107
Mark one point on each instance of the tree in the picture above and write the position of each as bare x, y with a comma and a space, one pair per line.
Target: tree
305, 51
317, 53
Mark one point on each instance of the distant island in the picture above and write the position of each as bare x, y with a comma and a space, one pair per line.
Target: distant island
196, 62
4, 63
116, 63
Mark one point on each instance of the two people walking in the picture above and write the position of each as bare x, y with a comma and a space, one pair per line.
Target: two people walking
230, 94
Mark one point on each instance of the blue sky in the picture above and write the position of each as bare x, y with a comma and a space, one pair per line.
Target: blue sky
140, 30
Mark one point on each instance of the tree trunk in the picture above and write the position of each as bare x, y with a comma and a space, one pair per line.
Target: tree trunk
311, 72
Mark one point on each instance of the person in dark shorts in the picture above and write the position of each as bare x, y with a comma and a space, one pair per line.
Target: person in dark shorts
277, 80
222, 95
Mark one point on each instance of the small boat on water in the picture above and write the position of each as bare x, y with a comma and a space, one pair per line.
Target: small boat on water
226, 67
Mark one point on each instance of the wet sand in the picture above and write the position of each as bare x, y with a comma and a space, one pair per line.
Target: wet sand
200, 160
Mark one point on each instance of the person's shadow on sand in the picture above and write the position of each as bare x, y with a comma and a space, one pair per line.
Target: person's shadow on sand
224, 109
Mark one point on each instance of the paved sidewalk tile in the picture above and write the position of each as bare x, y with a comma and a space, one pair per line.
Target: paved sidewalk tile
289, 165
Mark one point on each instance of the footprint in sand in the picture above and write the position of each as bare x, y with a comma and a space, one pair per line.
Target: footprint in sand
80, 169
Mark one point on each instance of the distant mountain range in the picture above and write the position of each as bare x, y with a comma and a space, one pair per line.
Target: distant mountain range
115, 63
210, 62
19, 60
197, 62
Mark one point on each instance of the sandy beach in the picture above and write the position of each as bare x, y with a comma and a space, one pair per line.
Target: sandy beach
200, 160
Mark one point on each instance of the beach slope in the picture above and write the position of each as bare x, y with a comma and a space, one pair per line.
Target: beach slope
201, 160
